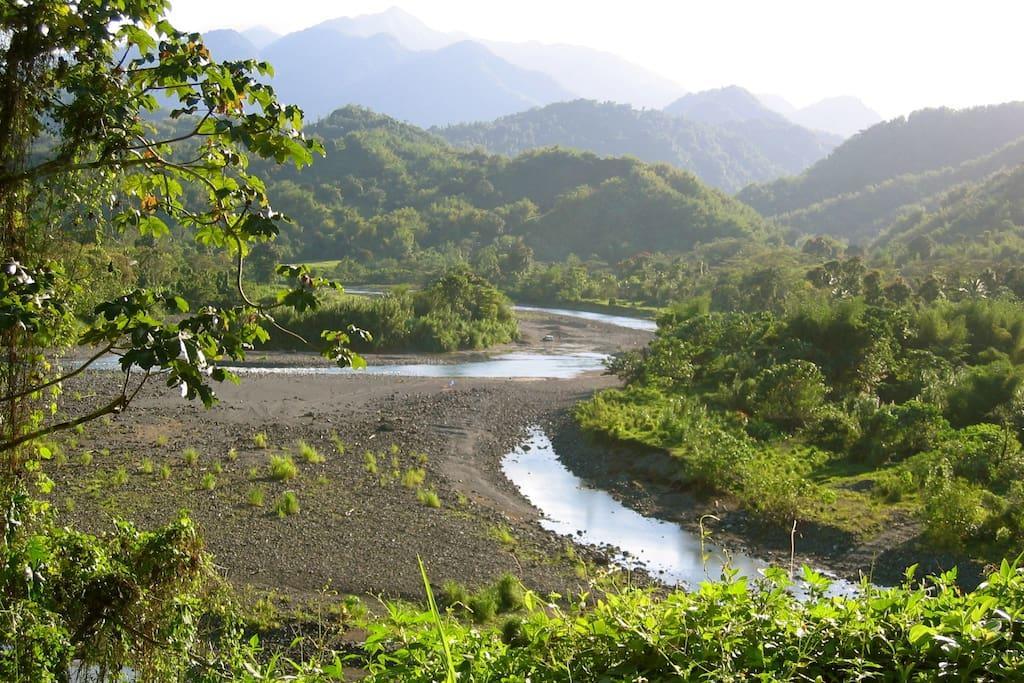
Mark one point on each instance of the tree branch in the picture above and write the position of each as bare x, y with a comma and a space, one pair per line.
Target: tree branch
81, 368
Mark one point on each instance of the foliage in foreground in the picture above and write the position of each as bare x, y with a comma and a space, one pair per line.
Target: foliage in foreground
143, 600
728, 630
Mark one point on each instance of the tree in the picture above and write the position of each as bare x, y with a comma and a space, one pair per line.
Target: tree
83, 85
86, 150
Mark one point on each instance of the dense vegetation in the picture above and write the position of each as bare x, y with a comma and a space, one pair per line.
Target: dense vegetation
821, 405
984, 221
457, 311
927, 141
389, 189
727, 154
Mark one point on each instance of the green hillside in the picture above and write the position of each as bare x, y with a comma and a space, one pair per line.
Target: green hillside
727, 154
927, 141
388, 189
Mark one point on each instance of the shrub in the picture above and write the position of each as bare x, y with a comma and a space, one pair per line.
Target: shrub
282, 468
287, 504
790, 395
893, 484
953, 512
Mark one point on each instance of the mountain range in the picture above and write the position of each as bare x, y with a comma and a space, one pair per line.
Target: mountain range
895, 168
726, 152
394, 63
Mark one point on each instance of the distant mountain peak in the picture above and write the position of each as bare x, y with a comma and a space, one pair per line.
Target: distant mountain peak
722, 105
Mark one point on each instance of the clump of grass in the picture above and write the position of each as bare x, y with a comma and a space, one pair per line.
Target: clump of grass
308, 453
428, 498
255, 497
322, 480
287, 504
510, 593
282, 468
190, 456
162, 440
259, 440
483, 607
422, 458
217, 468
209, 482
232, 454
412, 478
78, 429
120, 477
503, 536
370, 462
85, 458
395, 450
147, 466
165, 471
339, 445
254, 472
454, 596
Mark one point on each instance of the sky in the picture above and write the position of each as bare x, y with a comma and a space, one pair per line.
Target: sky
895, 55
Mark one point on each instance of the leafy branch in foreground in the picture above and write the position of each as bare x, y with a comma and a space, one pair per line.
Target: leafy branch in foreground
85, 87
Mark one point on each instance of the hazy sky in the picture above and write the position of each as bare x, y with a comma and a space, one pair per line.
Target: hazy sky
896, 55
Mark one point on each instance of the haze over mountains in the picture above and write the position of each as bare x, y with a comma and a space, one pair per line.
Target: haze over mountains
349, 54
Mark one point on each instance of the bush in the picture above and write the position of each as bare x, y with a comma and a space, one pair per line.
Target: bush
483, 607
790, 395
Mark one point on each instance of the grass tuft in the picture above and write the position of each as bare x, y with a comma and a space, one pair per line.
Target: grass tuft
428, 498
287, 504
259, 440
308, 453
209, 482
413, 478
282, 468
190, 456
255, 497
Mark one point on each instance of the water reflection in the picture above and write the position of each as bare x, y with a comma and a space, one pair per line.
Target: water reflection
594, 517
617, 320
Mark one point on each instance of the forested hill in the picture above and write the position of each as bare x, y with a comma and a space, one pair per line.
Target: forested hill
387, 189
983, 221
926, 141
729, 154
